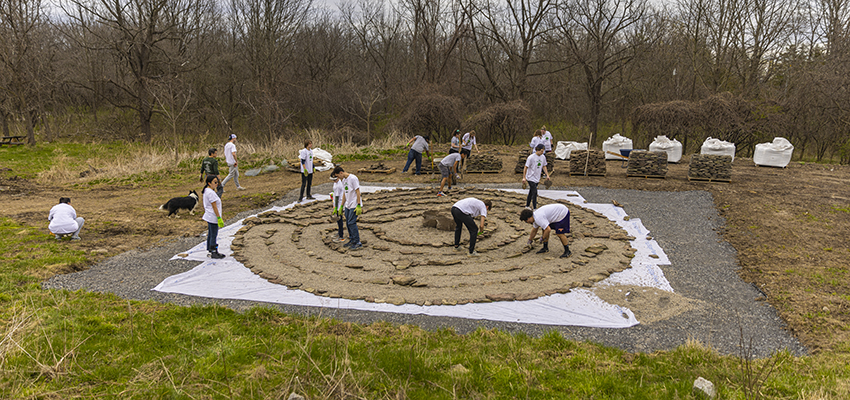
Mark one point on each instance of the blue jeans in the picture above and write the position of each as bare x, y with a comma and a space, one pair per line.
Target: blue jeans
212, 236
413, 155
340, 232
351, 222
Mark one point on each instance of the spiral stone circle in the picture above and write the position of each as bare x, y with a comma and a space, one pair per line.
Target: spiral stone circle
404, 262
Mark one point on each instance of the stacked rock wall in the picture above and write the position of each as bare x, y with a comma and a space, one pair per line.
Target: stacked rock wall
647, 163
483, 163
580, 165
523, 156
710, 167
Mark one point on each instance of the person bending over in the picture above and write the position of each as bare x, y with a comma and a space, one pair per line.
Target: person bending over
64, 220
464, 213
549, 217
419, 145
448, 168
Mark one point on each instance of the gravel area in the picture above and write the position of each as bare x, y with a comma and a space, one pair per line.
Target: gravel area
685, 224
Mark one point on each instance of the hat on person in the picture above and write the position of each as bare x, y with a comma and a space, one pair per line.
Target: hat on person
233, 136
540, 147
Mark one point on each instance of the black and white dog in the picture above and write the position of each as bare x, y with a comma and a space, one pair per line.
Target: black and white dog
187, 203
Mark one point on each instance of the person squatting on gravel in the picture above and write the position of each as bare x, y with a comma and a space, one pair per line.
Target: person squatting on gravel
534, 167
455, 147
464, 212
210, 167
307, 169
232, 163
448, 168
420, 144
466, 146
550, 216
337, 200
64, 220
352, 205
212, 215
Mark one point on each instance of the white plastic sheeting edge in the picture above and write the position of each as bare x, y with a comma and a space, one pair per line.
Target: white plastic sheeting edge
229, 279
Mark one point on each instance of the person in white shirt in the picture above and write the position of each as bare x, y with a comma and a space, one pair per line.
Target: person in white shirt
352, 205
212, 215
464, 212
232, 163
448, 168
466, 146
307, 170
536, 139
418, 145
337, 211
549, 217
546, 137
64, 220
455, 146
535, 166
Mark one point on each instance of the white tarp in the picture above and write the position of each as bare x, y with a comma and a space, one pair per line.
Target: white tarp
564, 148
229, 279
673, 148
325, 157
718, 147
614, 144
775, 154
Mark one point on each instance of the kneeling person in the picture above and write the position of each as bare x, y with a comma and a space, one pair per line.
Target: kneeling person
549, 217
464, 212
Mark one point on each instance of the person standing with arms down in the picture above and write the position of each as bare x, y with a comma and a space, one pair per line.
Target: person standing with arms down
535, 166
307, 170
448, 168
466, 146
352, 205
546, 136
549, 217
536, 139
337, 200
464, 213
210, 167
212, 215
420, 144
455, 146
64, 220
232, 163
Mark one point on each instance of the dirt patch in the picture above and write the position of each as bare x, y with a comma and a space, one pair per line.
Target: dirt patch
649, 304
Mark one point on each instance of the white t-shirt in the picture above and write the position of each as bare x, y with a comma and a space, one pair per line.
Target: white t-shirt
535, 140
468, 141
211, 197
535, 166
547, 140
63, 219
456, 143
549, 214
472, 207
338, 190
450, 159
229, 149
350, 186
306, 155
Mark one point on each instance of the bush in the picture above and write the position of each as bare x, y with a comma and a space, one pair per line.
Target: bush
432, 114
501, 123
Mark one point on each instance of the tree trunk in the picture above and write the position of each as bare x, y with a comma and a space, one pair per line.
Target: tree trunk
29, 116
5, 123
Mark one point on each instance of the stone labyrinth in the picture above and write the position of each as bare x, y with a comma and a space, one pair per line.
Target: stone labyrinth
403, 261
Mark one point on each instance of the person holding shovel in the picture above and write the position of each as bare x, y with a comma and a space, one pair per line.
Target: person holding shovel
464, 213
535, 165
549, 217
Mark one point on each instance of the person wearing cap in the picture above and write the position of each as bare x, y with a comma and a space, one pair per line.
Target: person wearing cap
419, 145
535, 166
455, 147
307, 170
448, 168
352, 205
64, 220
337, 204
549, 217
232, 163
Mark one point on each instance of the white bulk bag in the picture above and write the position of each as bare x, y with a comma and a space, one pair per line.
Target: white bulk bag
325, 157
718, 147
564, 149
775, 154
673, 148
614, 144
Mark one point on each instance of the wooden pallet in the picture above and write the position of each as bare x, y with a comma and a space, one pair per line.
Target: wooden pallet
603, 175
482, 172
691, 178
377, 171
647, 176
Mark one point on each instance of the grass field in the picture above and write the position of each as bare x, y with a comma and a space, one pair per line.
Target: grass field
61, 345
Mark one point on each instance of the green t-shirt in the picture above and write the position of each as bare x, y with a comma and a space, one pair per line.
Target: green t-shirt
209, 166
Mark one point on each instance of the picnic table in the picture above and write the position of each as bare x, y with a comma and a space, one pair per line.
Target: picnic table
12, 140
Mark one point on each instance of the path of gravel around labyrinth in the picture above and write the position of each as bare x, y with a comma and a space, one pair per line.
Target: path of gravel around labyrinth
403, 261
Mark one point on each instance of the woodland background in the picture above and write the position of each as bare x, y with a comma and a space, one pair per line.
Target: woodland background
144, 70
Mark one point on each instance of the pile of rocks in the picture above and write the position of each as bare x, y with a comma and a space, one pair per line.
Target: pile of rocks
523, 156
580, 164
710, 167
483, 163
647, 163
437, 219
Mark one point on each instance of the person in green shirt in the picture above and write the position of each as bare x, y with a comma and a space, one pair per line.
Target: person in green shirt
210, 167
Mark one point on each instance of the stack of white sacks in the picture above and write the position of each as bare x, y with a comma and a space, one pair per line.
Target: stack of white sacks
673, 148
718, 147
614, 144
775, 154
564, 149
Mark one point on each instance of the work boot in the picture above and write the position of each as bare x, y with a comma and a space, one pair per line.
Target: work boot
567, 252
545, 249
216, 255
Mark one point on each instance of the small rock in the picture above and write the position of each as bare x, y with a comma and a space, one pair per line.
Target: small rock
295, 396
705, 386
459, 369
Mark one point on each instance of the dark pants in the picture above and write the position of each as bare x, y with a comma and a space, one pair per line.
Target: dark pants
532, 194
351, 222
411, 156
340, 232
306, 181
212, 237
462, 219
464, 155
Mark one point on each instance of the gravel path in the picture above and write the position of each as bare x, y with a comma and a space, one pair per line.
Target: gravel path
685, 224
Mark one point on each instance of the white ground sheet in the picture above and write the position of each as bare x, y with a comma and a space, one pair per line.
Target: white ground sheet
229, 279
